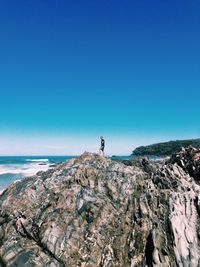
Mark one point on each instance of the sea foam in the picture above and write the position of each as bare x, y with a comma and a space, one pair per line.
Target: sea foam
25, 169
37, 160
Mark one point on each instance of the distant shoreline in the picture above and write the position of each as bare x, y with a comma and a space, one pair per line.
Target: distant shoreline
165, 148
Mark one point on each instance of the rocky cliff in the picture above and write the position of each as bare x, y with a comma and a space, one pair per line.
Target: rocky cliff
92, 211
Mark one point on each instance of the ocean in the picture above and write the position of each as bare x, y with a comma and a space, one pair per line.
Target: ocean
16, 168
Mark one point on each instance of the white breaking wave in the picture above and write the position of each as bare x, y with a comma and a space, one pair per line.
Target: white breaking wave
25, 169
37, 160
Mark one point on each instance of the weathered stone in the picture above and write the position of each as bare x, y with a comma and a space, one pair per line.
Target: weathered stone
92, 211
189, 160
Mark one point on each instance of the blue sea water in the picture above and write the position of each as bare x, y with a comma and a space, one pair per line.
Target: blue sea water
14, 168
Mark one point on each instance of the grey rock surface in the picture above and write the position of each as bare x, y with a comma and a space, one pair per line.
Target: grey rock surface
92, 211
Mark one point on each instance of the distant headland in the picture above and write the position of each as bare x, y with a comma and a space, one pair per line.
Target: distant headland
165, 148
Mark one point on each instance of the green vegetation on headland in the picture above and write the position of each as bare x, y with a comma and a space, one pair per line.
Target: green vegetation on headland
166, 148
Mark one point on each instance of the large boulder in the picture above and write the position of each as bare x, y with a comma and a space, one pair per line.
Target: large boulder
92, 211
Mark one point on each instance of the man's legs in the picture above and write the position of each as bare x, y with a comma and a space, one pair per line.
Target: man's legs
101, 152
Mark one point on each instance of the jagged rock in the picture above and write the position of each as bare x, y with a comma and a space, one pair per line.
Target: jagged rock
189, 160
92, 211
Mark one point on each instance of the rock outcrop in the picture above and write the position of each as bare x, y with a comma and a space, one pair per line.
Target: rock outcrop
189, 160
92, 211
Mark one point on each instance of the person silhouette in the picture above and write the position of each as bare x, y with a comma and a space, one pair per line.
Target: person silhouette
101, 150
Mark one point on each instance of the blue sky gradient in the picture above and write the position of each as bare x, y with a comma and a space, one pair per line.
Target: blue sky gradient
71, 71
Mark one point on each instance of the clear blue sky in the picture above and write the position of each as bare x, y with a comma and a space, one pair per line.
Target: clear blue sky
71, 71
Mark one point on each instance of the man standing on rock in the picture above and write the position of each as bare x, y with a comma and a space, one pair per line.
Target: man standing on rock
101, 151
